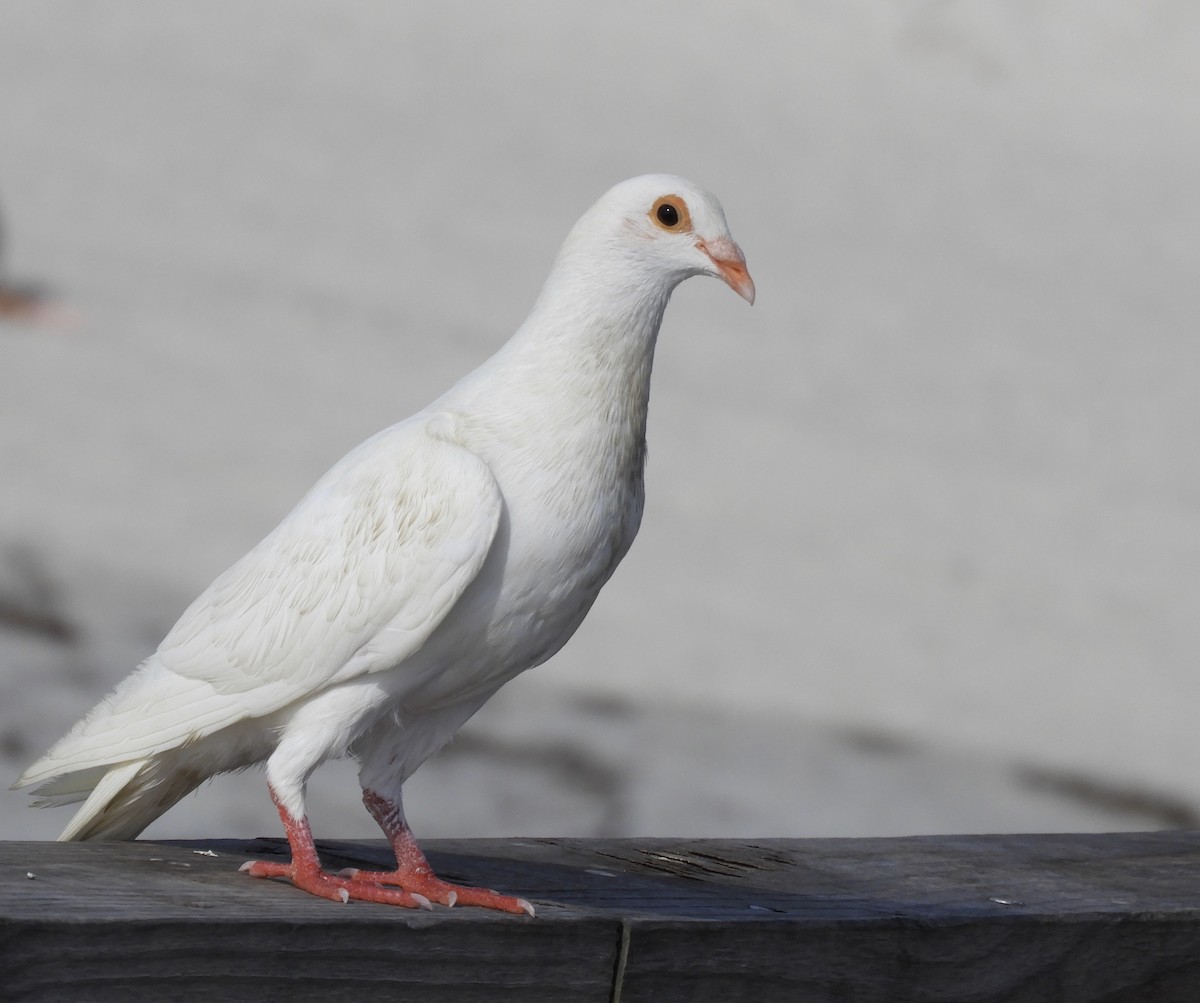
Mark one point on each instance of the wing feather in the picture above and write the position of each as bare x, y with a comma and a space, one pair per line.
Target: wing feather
387, 541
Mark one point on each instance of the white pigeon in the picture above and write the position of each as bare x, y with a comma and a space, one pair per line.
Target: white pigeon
432, 564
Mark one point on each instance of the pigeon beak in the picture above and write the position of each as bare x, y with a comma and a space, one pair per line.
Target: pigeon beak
730, 263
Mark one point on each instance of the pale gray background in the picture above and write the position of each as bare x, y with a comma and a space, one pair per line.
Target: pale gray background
922, 544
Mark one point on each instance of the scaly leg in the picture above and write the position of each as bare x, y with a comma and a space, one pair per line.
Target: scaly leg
413, 872
306, 873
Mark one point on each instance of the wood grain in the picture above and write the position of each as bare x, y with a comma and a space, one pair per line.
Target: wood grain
953, 919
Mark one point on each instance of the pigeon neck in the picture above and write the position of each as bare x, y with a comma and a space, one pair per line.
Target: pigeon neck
591, 342
597, 318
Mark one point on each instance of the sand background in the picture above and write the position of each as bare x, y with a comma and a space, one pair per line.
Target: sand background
922, 543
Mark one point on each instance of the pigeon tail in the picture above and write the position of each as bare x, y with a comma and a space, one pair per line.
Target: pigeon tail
124, 799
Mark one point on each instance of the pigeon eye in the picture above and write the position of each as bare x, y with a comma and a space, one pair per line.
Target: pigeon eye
671, 213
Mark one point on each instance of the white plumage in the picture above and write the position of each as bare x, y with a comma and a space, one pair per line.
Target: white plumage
429, 566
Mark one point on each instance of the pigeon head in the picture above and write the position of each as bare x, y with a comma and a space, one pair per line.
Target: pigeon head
666, 225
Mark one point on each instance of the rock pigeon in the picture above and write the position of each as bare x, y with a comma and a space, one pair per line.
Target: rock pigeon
429, 566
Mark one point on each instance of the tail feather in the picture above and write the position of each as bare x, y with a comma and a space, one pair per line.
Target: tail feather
68, 789
152, 741
103, 806
126, 799
150, 713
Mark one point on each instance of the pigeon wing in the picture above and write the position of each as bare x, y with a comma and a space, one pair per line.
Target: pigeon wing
368, 564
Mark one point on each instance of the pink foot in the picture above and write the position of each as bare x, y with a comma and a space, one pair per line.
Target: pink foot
412, 885
332, 886
433, 889
305, 872
413, 872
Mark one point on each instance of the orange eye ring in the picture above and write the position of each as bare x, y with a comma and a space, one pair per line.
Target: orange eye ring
670, 213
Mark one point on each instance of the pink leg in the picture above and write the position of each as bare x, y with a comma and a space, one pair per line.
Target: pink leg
413, 872
305, 870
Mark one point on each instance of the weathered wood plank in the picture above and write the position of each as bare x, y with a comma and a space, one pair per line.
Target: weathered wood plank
978, 918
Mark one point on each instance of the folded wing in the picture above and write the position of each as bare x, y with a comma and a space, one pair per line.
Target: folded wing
369, 563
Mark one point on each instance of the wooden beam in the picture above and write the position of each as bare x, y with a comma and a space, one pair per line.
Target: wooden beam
971, 918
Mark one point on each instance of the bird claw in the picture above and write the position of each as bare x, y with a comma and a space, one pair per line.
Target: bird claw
425, 888
265, 869
412, 888
352, 874
340, 887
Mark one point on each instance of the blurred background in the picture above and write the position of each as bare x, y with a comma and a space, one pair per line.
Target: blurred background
922, 543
